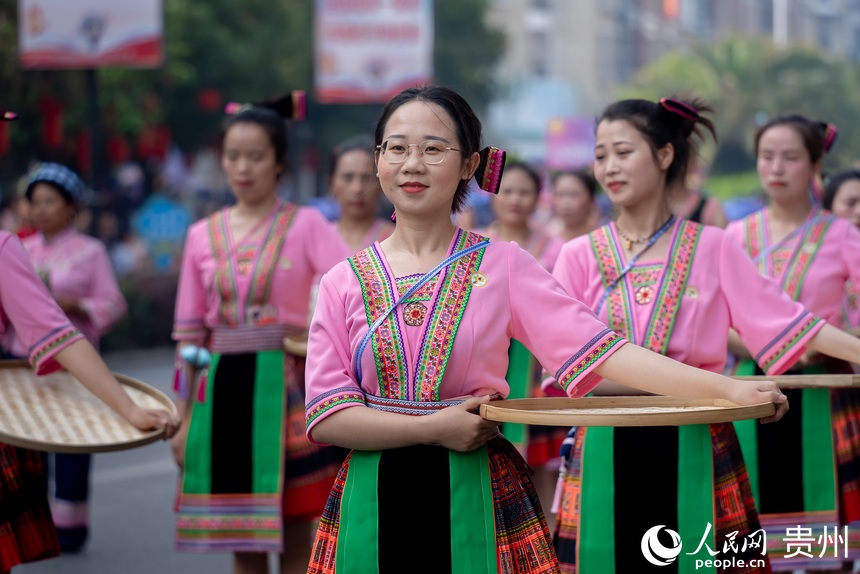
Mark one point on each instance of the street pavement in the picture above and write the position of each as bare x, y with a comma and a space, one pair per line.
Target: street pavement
132, 494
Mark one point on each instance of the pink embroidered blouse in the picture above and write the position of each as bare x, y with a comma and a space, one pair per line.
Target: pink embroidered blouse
28, 311
77, 266
228, 283
459, 348
812, 266
683, 305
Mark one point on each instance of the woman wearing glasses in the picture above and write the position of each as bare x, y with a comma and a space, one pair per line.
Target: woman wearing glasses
354, 186
430, 486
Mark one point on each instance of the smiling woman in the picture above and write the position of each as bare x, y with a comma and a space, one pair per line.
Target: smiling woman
674, 287
411, 336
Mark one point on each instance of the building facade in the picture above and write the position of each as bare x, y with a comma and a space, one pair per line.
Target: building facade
594, 46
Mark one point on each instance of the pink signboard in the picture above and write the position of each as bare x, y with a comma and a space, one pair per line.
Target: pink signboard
570, 143
366, 51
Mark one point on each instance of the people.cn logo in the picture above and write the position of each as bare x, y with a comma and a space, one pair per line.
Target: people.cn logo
655, 552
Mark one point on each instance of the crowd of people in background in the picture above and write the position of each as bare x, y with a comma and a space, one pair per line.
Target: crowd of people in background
565, 243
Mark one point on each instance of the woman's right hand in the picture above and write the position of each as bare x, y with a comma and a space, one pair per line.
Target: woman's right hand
149, 419
458, 429
757, 392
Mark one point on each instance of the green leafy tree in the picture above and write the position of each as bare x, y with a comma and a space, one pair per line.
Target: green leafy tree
749, 80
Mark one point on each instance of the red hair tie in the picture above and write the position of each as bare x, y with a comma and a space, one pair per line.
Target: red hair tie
829, 135
680, 108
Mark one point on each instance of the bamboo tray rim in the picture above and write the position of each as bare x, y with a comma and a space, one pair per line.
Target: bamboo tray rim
145, 438
802, 381
297, 344
545, 411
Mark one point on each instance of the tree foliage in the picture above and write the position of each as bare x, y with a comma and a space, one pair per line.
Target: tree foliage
748, 80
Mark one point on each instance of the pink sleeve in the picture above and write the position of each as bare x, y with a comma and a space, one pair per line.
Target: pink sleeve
849, 241
188, 324
105, 305
564, 335
568, 268
330, 383
737, 230
39, 323
773, 327
327, 247
551, 253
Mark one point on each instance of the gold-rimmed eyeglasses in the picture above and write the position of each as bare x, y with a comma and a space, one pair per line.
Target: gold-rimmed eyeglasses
431, 152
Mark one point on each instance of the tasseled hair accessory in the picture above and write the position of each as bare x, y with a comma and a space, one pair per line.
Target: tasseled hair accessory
293, 106
488, 176
829, 134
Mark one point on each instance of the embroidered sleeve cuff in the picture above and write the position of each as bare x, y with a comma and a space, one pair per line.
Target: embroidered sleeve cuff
330, 402
42, 354
188, 331
784, 350
577, 376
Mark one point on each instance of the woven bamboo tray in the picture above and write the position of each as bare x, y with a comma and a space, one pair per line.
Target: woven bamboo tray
809, 381
56, 413
297, 344
621, 411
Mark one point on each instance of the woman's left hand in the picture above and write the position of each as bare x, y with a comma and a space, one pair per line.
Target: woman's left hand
70, 305
149, 419
758, 392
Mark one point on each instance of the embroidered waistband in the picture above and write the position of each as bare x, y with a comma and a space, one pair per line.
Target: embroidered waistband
251, 338
415, 408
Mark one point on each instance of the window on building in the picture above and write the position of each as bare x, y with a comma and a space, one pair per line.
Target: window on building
539, 41
825, 5
855, 44
765, 16
824, 32
697, 17
626, 42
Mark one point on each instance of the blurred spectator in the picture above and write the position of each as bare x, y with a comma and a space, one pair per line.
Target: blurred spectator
107, 228
129, 255
573, 194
